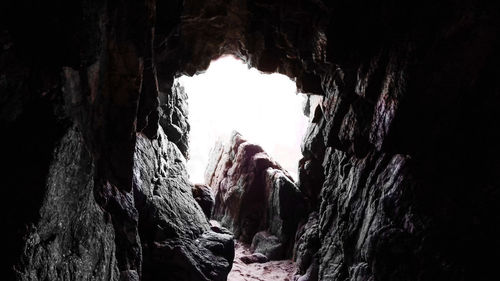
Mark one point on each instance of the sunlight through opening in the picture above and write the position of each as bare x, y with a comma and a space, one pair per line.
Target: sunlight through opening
264, 108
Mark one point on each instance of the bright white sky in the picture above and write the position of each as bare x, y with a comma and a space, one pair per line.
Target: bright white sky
264, 108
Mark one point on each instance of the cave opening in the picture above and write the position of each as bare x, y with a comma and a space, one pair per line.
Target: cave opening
399, 179
266, 109
246, 128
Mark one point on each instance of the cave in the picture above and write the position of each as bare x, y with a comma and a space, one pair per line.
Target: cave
265, 109
398, 178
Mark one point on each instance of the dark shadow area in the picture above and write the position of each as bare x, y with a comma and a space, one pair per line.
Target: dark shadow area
27, 146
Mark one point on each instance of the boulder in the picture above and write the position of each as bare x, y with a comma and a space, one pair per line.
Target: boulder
254, 258
268, 245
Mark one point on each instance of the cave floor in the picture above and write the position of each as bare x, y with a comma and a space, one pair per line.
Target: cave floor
273, 270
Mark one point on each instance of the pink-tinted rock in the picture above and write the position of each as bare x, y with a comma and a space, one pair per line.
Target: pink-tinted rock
253, 192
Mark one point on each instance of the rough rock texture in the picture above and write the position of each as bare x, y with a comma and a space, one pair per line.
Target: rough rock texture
400, 164
176, 239
88, 63
400, 196
73, 239
27, 148
204, 197
173, 117
307, 244
311, 175
253, 193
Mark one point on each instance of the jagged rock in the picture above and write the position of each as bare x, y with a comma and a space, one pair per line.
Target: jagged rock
311, 175
254, 258
174, 117
253, 193
307, 243
379, 221
176, 238
205, 198
74, 239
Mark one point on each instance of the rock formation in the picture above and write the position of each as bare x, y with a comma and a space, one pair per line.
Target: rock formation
205, 198
307, 244
73, 238
254, 197
401, 160
176, 239
254, 258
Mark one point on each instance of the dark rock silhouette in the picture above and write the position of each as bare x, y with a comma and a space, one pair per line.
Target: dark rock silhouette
204, 197
307, 244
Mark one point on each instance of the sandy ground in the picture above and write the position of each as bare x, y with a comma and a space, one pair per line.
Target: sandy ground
269, 271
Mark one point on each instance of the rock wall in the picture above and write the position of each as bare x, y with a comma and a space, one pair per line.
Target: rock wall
174, 117
176, 240
91, 65
400, 162
73, 238
402, 198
